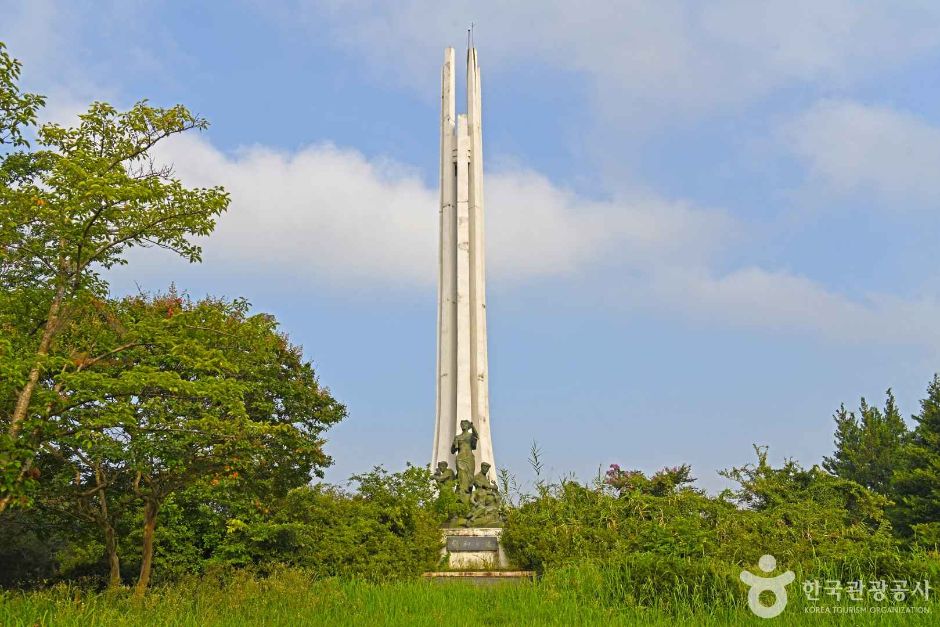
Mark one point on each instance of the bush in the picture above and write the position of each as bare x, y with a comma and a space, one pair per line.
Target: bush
385, 530
808, 519
569, 522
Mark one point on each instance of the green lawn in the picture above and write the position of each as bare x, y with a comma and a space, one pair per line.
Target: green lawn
290, 598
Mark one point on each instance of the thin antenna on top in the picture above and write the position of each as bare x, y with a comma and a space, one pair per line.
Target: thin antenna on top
470, 36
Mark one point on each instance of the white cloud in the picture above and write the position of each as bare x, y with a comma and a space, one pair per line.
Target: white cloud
326, 214
855, 148
535, 227
644, 60
783, 302
335, 215
322, 212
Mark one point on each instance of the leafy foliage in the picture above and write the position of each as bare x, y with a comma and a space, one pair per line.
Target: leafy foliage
665, 482
801, 516
190, 394
386, 529
807, 517
569, 521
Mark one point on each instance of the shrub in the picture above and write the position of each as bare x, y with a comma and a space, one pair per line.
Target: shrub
570, 521
385, 530
808, 519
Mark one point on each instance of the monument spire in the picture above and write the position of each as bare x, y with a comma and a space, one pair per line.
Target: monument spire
462, 380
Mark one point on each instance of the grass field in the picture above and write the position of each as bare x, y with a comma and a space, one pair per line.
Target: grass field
291, 598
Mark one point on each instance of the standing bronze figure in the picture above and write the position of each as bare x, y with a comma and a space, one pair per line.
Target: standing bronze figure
464, 444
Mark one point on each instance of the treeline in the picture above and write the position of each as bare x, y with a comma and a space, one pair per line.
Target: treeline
869, 513
807, 517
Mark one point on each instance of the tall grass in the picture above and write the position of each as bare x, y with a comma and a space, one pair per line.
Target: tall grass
574, 596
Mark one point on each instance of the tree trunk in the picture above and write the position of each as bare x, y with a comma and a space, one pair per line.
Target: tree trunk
26, 394
110, 536
150, 525
114, 562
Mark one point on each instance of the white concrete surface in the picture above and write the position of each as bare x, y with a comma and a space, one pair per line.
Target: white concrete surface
462, 365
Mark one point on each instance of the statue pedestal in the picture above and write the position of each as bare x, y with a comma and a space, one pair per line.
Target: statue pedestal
474, 548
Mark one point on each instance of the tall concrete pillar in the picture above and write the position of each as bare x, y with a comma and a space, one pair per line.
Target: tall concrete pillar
462, 378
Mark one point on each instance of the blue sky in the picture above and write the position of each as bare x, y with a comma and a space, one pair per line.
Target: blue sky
708, 223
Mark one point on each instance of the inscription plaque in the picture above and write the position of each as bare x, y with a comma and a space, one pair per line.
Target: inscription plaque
456, 544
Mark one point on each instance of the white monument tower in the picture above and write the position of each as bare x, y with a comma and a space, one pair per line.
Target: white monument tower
462, 381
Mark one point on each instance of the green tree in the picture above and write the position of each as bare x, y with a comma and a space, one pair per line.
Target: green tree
868, 445
191, 394
72, 207
917, 480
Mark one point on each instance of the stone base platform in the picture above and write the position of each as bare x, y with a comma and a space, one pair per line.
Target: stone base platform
475, 555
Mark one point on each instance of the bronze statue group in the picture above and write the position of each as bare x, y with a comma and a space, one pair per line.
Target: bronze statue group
476, 492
